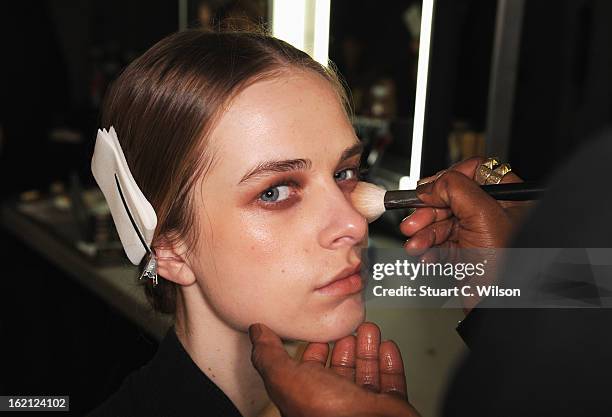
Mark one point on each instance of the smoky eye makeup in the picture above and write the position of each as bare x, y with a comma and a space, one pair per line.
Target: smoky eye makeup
351, 173
347, 178
279, 195
286, 192
287, 178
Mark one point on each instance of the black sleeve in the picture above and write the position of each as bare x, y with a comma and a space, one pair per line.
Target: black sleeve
121, 403
541, 362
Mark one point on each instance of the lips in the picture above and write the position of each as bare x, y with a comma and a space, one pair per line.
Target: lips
347, 282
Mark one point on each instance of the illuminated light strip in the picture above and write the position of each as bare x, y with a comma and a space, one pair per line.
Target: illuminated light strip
288, 20
321, 31
410, 181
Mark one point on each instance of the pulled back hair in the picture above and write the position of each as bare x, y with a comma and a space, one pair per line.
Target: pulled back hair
164, 106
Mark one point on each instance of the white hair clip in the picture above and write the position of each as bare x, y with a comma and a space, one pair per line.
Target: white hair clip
134, 217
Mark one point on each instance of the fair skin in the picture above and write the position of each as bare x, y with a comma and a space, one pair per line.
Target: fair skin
460, 216
279, 245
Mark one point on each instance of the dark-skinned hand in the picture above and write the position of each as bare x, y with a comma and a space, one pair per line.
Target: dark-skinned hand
365, 377
461, 216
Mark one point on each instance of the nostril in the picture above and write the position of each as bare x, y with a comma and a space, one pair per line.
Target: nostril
345, 240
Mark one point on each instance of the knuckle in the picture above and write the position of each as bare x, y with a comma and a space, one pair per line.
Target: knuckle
476, 159
396, 393
343, 362
367, 355
452, 176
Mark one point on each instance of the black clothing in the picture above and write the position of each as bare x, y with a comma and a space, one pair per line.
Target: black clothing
540, 362
529, 362
171, 385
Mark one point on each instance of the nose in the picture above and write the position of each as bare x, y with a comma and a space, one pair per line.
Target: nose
343, 225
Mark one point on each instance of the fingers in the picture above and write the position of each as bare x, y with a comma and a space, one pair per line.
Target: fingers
366, 363
433, 235
378, 366
392, 378
430, 178
268, 355
423, 217
343, 357
460, 194
510, 177
454, 198
467, 167
316, 353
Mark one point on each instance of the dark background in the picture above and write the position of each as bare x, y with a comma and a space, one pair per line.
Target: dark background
563, 90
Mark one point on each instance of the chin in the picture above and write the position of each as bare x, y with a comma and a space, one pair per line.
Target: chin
342, 321
322, 326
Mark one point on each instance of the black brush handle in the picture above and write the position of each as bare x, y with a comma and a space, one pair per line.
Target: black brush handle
519, 191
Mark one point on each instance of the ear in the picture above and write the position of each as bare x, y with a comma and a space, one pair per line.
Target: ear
172, 263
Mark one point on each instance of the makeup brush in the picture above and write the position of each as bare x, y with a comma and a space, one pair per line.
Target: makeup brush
372, 201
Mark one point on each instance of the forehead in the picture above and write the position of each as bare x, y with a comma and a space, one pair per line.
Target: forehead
293, 115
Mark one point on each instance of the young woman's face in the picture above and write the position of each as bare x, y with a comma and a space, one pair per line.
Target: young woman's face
279, 239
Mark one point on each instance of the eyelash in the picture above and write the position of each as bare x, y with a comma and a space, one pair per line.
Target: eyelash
357, 175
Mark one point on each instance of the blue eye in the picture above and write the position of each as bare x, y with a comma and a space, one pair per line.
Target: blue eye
346, 174
275, 194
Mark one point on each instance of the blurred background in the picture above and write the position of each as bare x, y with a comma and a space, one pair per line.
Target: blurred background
529, 81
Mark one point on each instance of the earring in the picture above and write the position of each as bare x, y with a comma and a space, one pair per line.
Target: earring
150, 270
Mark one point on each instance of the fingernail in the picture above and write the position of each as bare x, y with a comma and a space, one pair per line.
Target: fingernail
254, 332
430, 179
425, 188
388, 361
370, 343
406, 218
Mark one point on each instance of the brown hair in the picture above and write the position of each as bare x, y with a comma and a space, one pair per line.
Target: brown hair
165, 104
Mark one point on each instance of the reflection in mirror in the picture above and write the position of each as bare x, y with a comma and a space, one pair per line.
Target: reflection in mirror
376, 49
220, 14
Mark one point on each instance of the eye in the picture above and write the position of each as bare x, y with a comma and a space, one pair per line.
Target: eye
275, 194
347, 174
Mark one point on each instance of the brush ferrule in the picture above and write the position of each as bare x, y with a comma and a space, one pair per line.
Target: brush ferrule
402, 199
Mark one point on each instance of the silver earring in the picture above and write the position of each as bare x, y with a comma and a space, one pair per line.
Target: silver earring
150, 270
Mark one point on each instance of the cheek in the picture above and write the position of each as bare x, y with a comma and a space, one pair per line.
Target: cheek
285, 243
262, 268
253, 269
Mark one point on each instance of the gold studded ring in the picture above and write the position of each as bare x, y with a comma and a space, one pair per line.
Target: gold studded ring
492, 171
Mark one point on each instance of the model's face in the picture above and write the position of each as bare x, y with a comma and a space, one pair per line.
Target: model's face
279, 239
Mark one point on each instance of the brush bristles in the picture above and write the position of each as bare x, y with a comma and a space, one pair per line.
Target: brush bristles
369, 200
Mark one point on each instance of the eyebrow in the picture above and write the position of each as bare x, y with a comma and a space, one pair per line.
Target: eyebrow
271, 167
351, 151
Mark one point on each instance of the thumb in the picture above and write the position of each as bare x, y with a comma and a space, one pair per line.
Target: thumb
268, 354
461, 194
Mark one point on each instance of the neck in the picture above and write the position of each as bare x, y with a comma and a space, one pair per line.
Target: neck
221, 352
